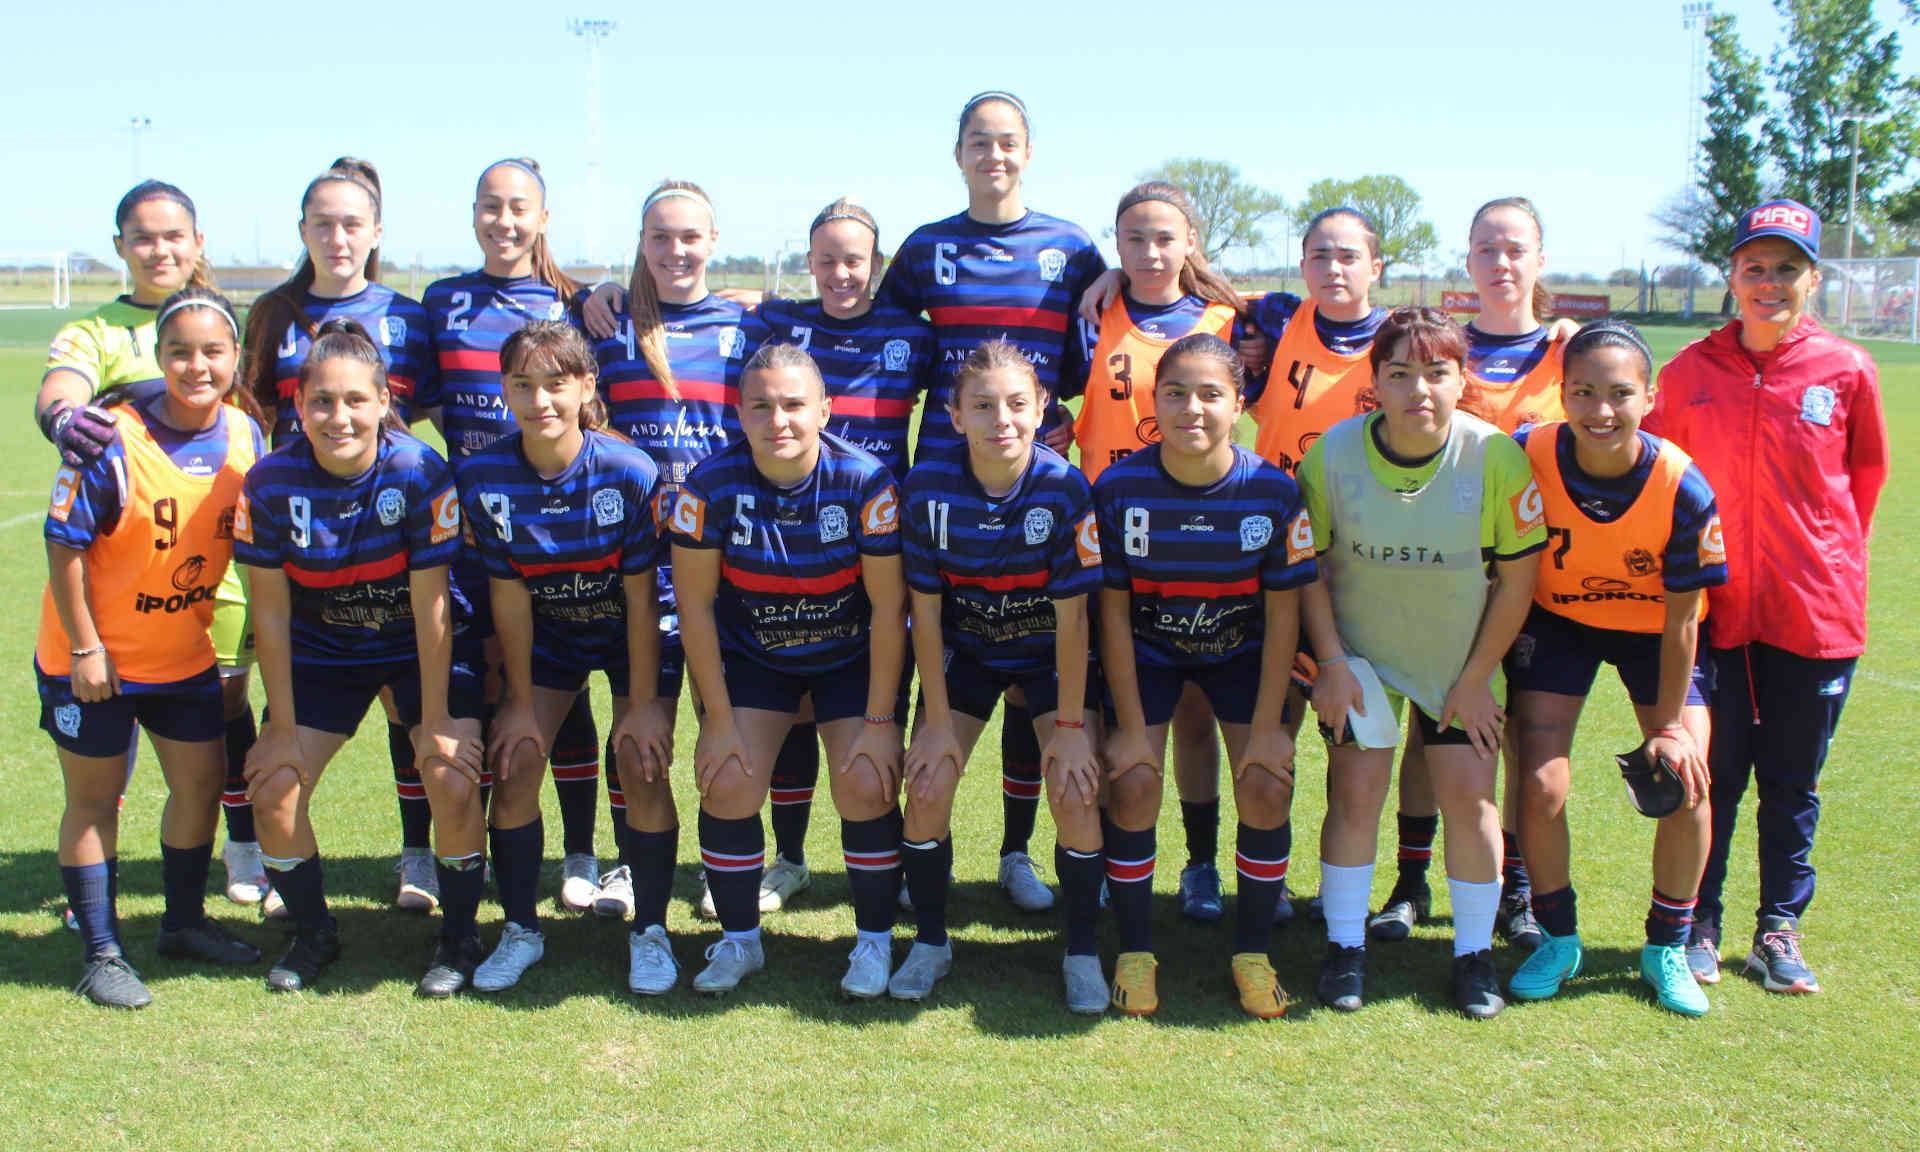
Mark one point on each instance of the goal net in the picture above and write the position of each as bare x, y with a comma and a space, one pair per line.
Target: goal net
1874, 299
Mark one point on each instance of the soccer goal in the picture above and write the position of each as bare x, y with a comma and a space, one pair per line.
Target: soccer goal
35, 280
1870, 298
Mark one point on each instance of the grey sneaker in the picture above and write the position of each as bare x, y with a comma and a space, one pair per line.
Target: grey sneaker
519, 949
651, 968
246, 874
614, 900
783, 881
867, 970
729, 961
579, 882
703, 907
1020, 876
1086, 985
419, 881
920, 971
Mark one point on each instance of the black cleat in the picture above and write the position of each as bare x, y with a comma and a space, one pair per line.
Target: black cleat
1407, 905
312, 950
1343, 978
1476, 989
108, 980
1515, 924
453, 965
207, 942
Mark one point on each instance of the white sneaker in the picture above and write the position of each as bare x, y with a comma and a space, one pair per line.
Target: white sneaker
783, 881
1020, 876
651, 968
1086, 985
519, 949
867, 970
579, 881
703, 907
272, 907
729, 961
920, 971
614, 898
246, 875
419, 881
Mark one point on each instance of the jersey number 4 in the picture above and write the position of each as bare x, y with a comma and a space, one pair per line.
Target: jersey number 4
1300, 375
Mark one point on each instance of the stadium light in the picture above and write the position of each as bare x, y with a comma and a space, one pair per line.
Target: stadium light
1694, 15
135, 126
1857, 117
593, 32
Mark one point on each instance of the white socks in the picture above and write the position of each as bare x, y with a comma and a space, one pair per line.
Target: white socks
1474, 907
1344, 893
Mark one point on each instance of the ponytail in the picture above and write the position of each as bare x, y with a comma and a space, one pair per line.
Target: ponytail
201, 274
545, 268
1542, 299
1197, 277
643, 297
344, 338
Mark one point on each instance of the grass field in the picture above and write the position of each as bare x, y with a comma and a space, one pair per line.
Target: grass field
570, 1060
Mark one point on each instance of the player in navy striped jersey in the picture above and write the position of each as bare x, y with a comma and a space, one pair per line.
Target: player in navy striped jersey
347, 534
562, 514
788, 575
470, 317
1204, 547
1002, 552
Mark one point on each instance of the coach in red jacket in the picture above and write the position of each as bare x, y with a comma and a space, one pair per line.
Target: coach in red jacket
1784, 418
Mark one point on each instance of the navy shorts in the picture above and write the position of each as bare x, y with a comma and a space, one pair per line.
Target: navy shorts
1231, 687
838, 693
548, 673
187, 710
1555, 654
335, 697
974, 689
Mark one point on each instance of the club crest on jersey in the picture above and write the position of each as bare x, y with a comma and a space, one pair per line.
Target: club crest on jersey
730, 340
1039, 525
1256, 532
1816, 405
833, 523
608, 507
393, 329
67, 719
556, 310
1052, 263
391, 505
894, 355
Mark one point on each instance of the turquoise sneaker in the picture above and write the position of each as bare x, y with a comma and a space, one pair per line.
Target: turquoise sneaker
1539, 975
1673, 984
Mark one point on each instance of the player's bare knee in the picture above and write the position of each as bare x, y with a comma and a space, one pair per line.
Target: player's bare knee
1133, 797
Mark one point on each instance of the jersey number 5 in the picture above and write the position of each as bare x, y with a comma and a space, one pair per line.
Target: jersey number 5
742, 520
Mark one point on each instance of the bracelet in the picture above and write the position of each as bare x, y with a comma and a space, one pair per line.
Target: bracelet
1670, 730
96, 650
1059, 723
1332, 660
872, 719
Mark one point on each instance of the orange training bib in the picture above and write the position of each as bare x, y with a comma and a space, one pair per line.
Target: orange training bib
1116, 414
1310, 388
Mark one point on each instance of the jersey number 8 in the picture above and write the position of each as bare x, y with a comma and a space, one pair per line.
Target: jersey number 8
1136, 539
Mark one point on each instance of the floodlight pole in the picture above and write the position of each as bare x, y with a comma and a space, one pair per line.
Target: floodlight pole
593, 32
135, 126
1694, 15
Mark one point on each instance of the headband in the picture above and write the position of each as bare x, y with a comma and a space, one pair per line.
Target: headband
827, 218
1627, 332
198, 302
1157, 198
994, 94
522, 165
660, 194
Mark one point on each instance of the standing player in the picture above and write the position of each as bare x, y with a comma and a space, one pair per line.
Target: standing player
1426, 520
1204, 546
1002, 552
788, 578
157, 234
136, 544
469, 317
1001, 270
1630, 512
347, 532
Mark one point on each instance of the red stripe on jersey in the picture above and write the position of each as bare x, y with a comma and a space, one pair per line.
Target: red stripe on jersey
286, 388
596, 564
470, 360
1260, 869
1203, 589
1006, 582
401, 386
999, 317
1128, 871
790, 585
352, 574
708, 391
872, 407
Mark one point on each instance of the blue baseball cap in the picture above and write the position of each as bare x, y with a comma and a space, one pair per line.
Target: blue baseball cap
1787, 219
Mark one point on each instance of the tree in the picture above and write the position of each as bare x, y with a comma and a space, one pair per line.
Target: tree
1729, 176
1392, 205
1230, 209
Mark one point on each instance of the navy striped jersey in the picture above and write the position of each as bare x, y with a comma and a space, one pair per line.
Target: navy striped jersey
790, 592
706, 346
1270, 314
101, 490
347, 545
471, 315
570, 539
875, 366
1198, 559
398, 324
998, 564
978, 281
1504, 359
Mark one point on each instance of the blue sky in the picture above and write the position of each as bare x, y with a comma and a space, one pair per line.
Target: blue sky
778, 108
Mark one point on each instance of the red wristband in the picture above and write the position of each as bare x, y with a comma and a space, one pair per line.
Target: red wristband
1059, 723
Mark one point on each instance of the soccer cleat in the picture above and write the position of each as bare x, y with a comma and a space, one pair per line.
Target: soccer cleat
1664, 968
614, 900
703, 907
1261, 996
920, 971
1020, 877
651, 968
1776, 958
454, 962
520, 948
419, 882
109, 981
1314, 909
579, 881
1540, 975
246, 874
1343, 978
1283, 907
1136, 989
272, 907
1086, 984
207, 942
1200, 897
868, 967
782, 881
1515, 923
1409, 903
1476, 988
300, 966
1703, 954
729, 961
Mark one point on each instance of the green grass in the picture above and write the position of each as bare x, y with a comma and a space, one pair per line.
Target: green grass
569, 1060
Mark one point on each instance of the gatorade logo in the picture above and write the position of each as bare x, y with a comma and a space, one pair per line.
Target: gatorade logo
1300, 538
1781, 216
1529, 510
243, 520
66, 486
1086, 542
881, 515
690, 516
446, 517
1713, 547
